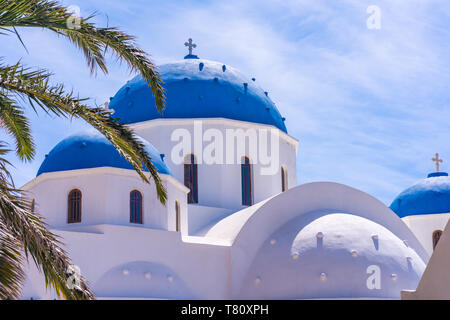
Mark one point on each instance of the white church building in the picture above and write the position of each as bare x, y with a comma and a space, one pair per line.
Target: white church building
236, 224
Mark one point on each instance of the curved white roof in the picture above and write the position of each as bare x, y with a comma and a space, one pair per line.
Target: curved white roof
275, 245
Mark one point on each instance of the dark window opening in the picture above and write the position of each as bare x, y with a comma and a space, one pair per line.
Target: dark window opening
136, 207
74, 207
246, 174
436, 236
191, 177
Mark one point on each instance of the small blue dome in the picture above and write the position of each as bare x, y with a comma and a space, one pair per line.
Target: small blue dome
429, 196
198, 88
90, 149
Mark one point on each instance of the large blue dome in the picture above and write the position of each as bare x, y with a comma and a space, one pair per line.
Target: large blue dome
429, 196
90, 149
198, 88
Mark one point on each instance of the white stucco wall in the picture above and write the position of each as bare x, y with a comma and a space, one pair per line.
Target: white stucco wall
435, 282
195, 270
105, 198
423, 227
225, 178
199, 217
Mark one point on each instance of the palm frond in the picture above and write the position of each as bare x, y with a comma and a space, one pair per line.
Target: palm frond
91, 40
5, 175
11, 262
12, 118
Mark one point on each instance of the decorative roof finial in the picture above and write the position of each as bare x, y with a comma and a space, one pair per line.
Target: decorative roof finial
437, 160
191, 46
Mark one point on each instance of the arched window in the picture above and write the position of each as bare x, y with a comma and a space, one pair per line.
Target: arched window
74, 207
191, 177
177, 216
436, 236
246, 175
284, 179
135, 207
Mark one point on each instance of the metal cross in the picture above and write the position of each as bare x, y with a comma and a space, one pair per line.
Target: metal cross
190, 45
437, 160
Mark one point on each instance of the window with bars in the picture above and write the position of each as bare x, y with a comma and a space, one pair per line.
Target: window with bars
246, 175
191, 177
74, 207
136, 207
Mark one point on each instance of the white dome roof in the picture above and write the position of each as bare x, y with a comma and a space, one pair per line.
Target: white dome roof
334, 256
343, 246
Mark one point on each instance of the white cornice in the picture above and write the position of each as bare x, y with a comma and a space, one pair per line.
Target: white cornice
211, 121
427, 215
99, 171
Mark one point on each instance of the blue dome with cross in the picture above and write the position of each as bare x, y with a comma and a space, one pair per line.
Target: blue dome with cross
197, 88
428, 196
90, 149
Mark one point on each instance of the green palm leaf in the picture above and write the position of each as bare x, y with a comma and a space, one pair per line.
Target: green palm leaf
11, 262
12, 118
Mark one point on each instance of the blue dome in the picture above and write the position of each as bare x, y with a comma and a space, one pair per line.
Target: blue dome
429, 196
198, 88
90, 149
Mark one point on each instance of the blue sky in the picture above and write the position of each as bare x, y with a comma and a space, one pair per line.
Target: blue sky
370, 107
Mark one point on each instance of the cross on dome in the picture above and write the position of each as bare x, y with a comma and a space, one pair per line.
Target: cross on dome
437, 160
191, 45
